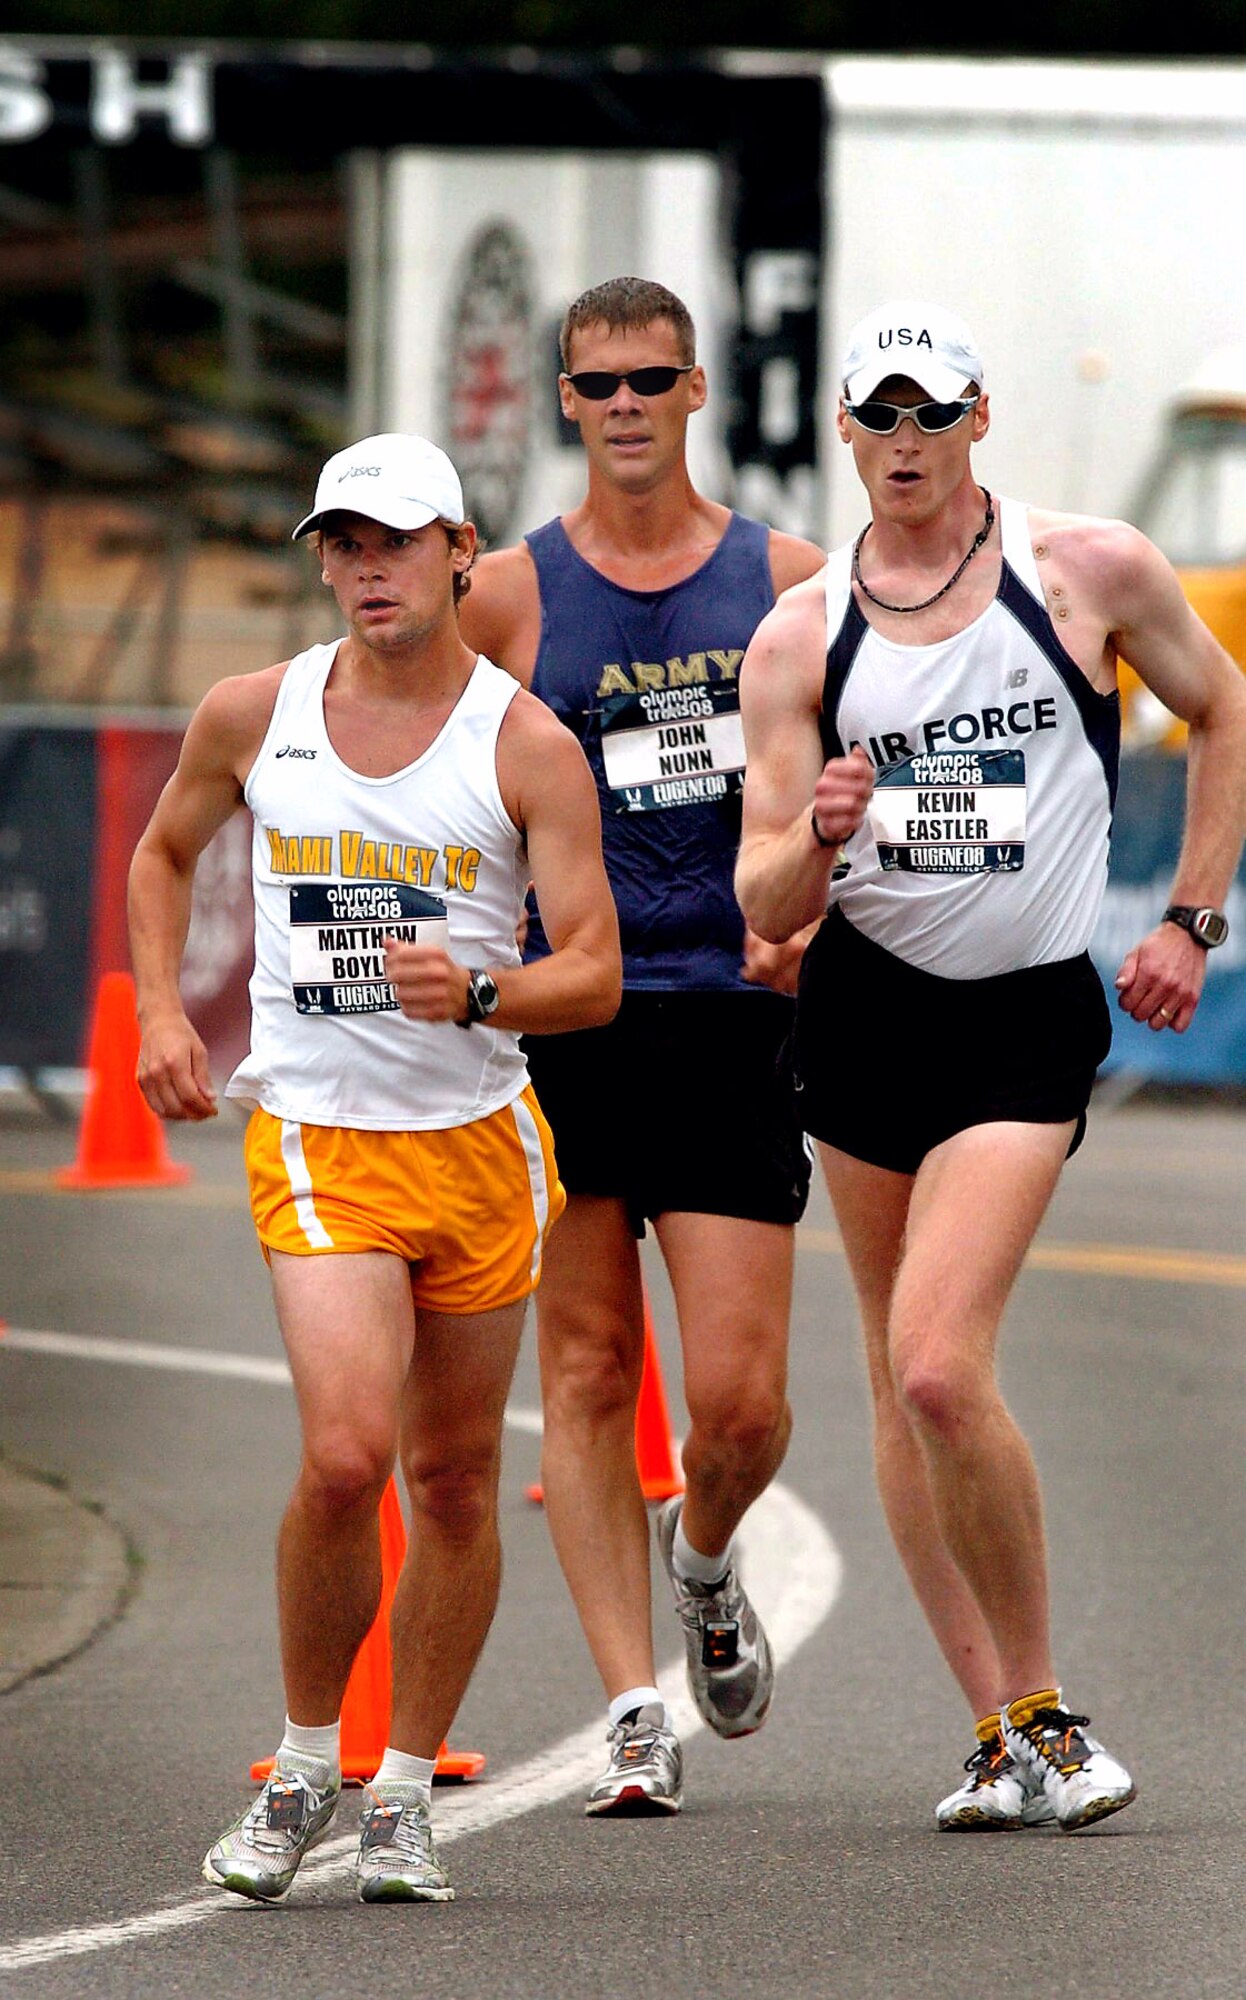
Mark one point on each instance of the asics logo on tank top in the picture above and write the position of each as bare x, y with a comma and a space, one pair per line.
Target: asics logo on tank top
292, 750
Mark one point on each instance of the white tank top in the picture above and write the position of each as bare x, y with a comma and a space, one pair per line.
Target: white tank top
338, 860
986, 844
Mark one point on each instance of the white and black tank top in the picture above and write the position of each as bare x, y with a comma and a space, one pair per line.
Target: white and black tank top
986, 843
340, 861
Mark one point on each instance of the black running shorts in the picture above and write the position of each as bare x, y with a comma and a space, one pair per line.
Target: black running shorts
890, 1060
683, 1102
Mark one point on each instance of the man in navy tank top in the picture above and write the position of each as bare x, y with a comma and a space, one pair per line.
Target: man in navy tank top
402, 1177
630, 616
932, 730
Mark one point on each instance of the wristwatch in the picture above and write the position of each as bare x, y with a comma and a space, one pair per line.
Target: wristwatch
482, 997
1207, 927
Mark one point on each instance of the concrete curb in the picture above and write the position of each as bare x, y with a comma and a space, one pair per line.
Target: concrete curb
65, 1572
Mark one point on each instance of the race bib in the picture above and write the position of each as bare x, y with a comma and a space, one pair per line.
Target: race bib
951, 813
666, 747
337, 942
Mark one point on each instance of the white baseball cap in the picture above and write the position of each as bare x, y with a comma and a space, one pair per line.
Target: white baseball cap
404, 482
906, 337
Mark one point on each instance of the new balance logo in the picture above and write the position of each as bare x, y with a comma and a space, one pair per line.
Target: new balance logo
1017, 678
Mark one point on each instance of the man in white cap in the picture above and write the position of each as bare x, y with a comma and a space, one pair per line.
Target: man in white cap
932, 731
402, 1177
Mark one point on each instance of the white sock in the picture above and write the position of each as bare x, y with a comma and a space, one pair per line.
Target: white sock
399, 1768
323, 1741
637, 1697
690, 1562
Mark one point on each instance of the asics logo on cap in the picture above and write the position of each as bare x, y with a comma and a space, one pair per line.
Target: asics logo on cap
359, 472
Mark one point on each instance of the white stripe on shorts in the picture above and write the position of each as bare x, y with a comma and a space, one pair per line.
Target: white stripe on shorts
301, 1187
530, 1139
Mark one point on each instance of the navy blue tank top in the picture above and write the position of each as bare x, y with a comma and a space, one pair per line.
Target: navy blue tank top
649, 682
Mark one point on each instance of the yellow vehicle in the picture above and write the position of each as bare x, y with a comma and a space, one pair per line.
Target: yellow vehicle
1193, 507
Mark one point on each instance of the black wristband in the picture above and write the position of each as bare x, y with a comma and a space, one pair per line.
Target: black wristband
813, 822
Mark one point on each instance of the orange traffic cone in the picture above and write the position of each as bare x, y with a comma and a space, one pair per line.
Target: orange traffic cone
660, 1476
121, 1140
366, 1703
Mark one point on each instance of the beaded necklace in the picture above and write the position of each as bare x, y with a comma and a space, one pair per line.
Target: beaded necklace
955, 577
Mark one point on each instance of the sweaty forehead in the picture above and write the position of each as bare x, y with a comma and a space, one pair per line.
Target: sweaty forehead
622, 347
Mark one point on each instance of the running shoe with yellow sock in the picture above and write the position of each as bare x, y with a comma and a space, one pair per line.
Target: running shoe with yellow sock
998, 1796
1080, 1781
259, 1855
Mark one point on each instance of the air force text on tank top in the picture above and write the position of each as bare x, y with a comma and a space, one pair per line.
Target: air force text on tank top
649, 682
340, 861
985, 847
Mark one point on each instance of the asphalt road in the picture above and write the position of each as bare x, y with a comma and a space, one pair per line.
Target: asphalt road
806, 1862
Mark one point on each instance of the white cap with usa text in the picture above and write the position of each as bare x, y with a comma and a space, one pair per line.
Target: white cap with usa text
402, 481
906, 337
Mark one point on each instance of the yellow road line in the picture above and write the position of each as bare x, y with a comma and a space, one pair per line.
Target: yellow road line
1122, 1260
1102, 1260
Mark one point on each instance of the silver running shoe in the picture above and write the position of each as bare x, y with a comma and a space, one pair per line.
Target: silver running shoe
645, 1775
260, 1854
397, 1860
997, 1796
730, 1666
1080, 1781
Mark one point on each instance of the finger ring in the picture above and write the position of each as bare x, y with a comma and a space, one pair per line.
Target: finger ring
1161, 1013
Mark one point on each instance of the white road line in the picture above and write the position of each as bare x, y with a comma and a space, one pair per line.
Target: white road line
143, 1354
183, 1360
793, 1572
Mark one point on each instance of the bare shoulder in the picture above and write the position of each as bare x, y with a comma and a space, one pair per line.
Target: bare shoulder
231, 721
795, 623
531, 725
1112, 556
786, 658
501, 614
792, 560
540, 762
502, 570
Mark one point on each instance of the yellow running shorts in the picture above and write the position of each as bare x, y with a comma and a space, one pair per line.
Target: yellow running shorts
469, 1207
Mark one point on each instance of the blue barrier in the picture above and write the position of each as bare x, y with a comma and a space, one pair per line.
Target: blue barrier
1146, 836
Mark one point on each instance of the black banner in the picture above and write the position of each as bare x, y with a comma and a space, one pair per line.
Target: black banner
776, 166
766, 128
47, 868
304, 102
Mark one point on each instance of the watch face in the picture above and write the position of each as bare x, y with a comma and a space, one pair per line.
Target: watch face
485, 989
1210, 927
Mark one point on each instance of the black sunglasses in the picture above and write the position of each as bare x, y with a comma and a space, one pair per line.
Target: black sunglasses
595, 384
883, 418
